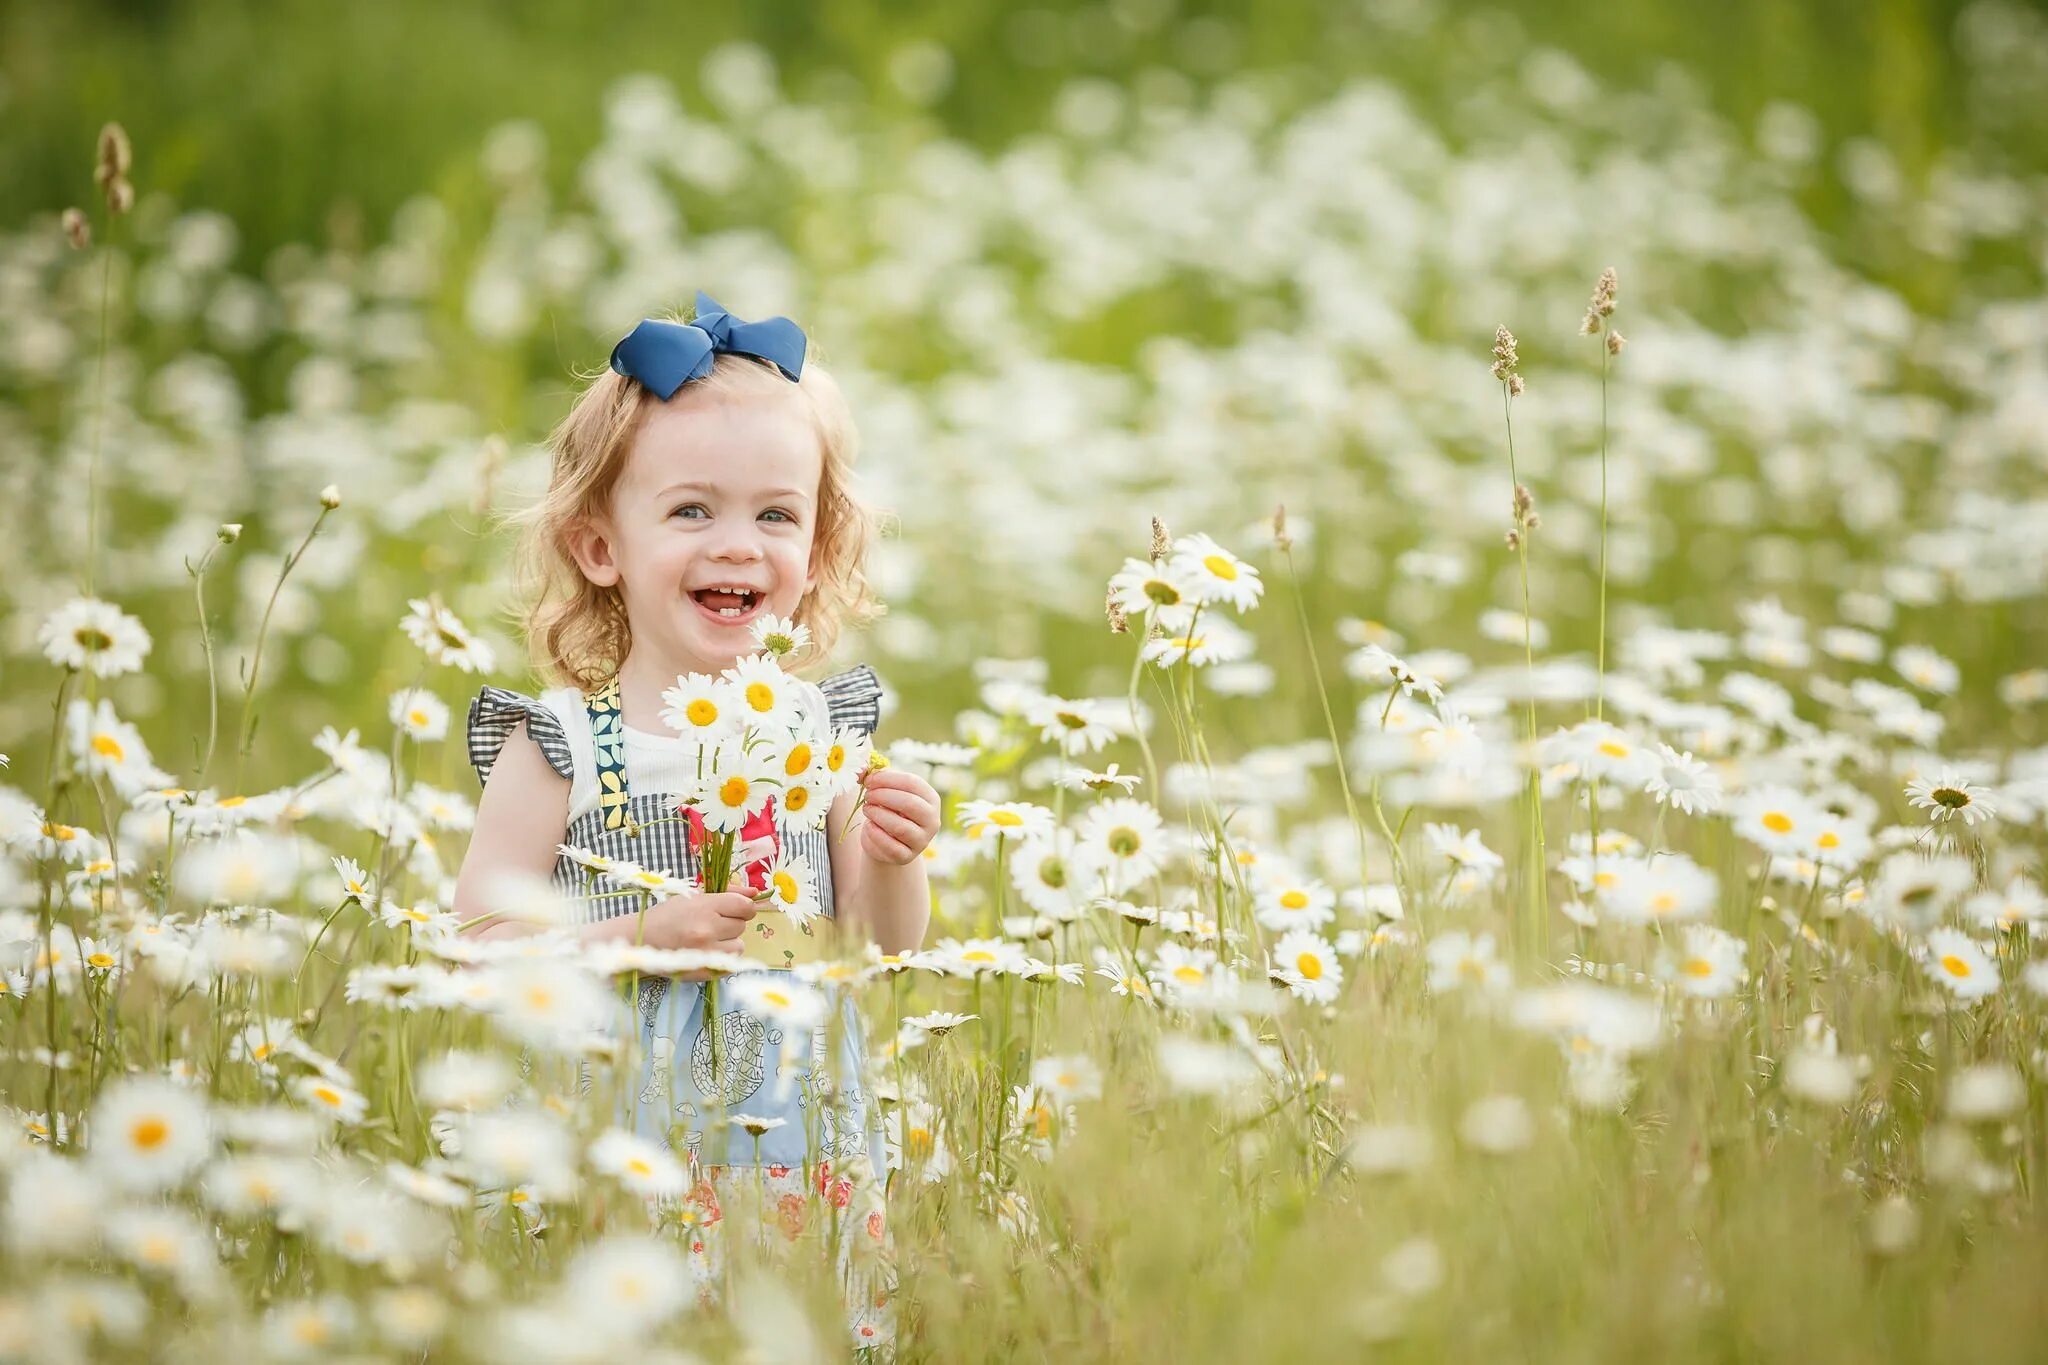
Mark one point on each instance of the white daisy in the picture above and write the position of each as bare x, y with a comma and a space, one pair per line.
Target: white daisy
939, 1023
355, 883
1307, 965
701, 707
1068, 1078
1960, 963
778, 998
631, 1283
331, 1099
1007, 819
1154, 591
793, 888
1213, 640
1926, 669
778, 635
763, 694
149, 1133
1283, 905
736, 784
758, 1125
914, 1138
441, 635
1215, 574
95, 636
1951, 795
640, 1165
1083, 779
1776, 819
1683, 782
1708, 963
1081, 726
1458, 959
109, 747
1125, 838
1667, 887
419, 714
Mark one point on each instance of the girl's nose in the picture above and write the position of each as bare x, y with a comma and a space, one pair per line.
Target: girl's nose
738, 547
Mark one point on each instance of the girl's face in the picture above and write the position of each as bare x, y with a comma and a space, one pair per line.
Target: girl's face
715, 493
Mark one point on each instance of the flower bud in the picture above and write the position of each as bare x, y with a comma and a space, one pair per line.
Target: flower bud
330, 496
77, 229
229, 532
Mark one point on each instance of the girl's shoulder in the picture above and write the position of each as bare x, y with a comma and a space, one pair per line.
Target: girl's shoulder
853, 697
551, 721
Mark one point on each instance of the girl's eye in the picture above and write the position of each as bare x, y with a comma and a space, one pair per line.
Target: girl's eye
699, 507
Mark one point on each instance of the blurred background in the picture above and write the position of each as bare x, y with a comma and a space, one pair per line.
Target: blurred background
1077, 265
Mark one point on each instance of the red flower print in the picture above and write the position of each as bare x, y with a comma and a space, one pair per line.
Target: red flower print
789, 1212
842, 1193
875, 1226
778, 1172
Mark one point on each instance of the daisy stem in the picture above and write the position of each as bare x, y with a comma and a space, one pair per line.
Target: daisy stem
99, 421
1144, 745
1538, 907
1315, 668
1600, 676
212, 671
262, 631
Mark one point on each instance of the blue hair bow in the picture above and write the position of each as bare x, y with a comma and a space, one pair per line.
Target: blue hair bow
667, 355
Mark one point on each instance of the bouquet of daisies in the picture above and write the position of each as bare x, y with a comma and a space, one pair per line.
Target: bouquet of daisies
758, 749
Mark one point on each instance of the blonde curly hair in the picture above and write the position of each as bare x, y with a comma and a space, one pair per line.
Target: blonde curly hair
576, 631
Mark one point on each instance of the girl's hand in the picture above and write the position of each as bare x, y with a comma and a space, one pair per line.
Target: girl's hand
902, 812
713, 920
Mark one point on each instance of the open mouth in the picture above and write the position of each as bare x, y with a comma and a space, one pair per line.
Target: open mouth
729, 607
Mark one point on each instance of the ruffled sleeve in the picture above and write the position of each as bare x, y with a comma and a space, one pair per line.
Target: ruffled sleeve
493, 715
854, 698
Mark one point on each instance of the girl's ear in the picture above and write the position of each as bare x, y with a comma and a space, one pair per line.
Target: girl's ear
591, 547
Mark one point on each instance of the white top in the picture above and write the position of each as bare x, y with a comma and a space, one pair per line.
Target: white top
654, 762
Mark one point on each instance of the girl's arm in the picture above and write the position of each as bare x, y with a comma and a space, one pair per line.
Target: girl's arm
521, 817
890, 901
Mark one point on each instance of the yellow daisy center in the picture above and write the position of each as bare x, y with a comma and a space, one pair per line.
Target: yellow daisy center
786, 888
327, 1095
702, 712
1955, 966
1663, 903
760, 696
1008, 819
148, 1134
1294, 900
1310, 966
1830, 839
1697, 966
106, 746
796, 798
734, 791
1221, 567
1614, 748
918, 1142
1777, 822
1189, 973
798, 760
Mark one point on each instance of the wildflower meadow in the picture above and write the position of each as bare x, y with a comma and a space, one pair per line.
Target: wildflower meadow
1485, 654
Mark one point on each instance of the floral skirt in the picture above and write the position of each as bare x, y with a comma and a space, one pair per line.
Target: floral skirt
834, 1213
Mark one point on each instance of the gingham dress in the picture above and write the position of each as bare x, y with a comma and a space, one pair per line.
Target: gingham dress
818, 1176
676, 1080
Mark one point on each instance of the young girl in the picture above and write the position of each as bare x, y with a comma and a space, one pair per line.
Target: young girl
699, 484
